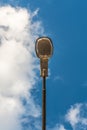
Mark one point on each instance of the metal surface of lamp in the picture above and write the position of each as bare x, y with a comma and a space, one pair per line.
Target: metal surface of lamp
44, 50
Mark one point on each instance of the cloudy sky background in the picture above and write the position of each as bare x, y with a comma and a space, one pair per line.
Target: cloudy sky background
21, 22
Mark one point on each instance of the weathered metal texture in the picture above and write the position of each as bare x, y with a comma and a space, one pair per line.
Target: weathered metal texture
44, 67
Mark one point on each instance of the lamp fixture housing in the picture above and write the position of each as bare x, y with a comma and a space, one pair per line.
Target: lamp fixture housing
44, 47
44, 50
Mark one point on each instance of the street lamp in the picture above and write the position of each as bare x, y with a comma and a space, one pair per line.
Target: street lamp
44, 50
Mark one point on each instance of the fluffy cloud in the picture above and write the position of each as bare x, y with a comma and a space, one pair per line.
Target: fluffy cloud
74, 119
61, 127
73, 115
77, 116
17, 67
57, 127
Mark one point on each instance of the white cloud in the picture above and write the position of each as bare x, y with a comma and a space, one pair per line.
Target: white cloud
77, 116
74, 119
57, 127
17, 66
73, 115
61, 127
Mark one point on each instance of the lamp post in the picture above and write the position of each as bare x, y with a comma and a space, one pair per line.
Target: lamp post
44, 50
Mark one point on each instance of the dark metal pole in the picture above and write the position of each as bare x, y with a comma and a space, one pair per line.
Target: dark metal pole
44, 104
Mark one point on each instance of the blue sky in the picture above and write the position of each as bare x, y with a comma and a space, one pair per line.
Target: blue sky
65, 22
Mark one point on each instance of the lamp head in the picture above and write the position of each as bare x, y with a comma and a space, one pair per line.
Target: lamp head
44, 50
44, 47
